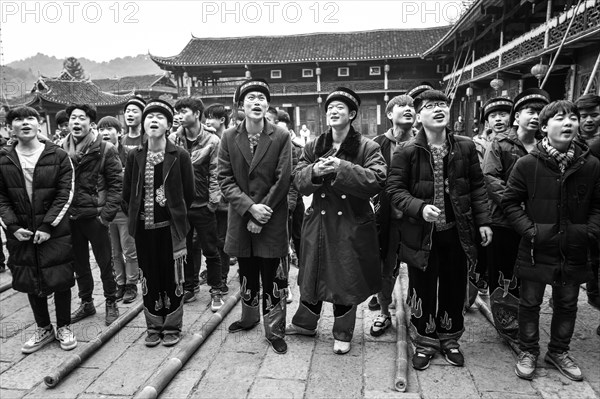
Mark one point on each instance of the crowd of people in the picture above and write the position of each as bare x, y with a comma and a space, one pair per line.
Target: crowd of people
512, 210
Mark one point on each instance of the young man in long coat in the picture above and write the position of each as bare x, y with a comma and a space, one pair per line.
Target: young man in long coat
254, 172
339, 260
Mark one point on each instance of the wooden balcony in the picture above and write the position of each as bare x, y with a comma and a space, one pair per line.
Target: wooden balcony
534, 43
308, 88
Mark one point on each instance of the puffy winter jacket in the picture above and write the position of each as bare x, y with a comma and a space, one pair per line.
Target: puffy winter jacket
561, 218
410, 186
48, 267
98, 192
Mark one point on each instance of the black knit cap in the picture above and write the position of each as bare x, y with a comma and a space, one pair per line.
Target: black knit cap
529, 96
157, 105
137, 101
495, 104
259, 85
414, 92
345, 95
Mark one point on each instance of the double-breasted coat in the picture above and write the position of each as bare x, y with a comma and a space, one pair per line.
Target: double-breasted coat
339, 247
260, 178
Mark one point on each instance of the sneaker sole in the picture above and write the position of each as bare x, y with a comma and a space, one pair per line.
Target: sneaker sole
453, 363
37, 347
152, 344
68, 347
422, 368
129, 300
527, 377
305, 332
378, 333
548, 359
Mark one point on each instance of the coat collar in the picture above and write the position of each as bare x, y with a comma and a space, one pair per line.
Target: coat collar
350, 146
241, 140
421, 138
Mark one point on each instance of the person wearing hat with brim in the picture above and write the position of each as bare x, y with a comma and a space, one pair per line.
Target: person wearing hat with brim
495, 117
436, 181
158, 189
498, 163
255, 165
339, 260
134, 136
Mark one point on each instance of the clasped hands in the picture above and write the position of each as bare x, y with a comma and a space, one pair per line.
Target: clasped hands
325, 166
262, 214
25, 235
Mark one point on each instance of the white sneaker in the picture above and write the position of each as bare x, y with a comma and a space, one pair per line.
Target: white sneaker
66, 338
341, 347
216, 302
39, 339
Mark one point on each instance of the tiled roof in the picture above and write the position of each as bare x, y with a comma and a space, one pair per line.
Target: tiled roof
350, 46
82, 92
134, 83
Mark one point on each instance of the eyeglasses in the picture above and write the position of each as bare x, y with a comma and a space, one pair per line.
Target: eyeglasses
433, 105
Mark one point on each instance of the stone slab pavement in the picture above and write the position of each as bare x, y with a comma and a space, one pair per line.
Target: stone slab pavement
242, 365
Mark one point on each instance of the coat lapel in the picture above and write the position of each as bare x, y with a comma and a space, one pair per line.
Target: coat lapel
241, 140
170, 158
261, 148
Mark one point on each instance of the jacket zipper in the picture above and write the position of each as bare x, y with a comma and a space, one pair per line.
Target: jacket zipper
433, 174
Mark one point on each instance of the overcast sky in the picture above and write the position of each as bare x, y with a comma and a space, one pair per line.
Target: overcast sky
103, 30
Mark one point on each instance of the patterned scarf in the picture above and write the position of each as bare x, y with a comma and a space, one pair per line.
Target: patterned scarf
564, 159
253, 139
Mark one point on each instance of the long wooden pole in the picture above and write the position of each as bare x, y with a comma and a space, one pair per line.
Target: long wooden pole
401, 377
564, 39
159, 381
594, 71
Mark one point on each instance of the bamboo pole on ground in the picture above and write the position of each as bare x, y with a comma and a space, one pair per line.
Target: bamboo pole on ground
485, 310
158, 382
401, 377
61, 371
5, 286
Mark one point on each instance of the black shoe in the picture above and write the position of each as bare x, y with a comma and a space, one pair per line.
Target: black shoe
224, 289
84, 310
454, 356
278, 345
236, 326
421, 361
130, 293
120, 292
202, 278
374, 303
112, 312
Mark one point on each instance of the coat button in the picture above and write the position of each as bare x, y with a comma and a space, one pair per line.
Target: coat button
322, 212
322, 195
340, 213
343, 196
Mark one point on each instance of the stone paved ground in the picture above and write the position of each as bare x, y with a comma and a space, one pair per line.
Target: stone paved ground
243, 366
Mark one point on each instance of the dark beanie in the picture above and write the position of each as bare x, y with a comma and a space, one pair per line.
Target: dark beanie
137, 101
157, 105
259, 85
345, 95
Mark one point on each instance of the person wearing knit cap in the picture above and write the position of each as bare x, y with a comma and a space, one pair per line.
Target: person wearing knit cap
132, 113
341, 169
158, 189
254, 174
498, 163
401, 112
436, 181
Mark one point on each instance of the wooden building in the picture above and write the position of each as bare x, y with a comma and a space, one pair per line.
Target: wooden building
503, 47
50, 95
146, 86
302, 69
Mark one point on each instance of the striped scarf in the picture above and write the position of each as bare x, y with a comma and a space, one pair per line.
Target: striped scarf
564, 159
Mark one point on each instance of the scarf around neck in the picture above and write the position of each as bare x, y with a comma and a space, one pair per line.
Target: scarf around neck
564, 159
75, 149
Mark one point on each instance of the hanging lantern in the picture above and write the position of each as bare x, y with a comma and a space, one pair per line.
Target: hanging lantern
248, 74
469, 91
386, 98
539, 71
319, 100
496, 84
